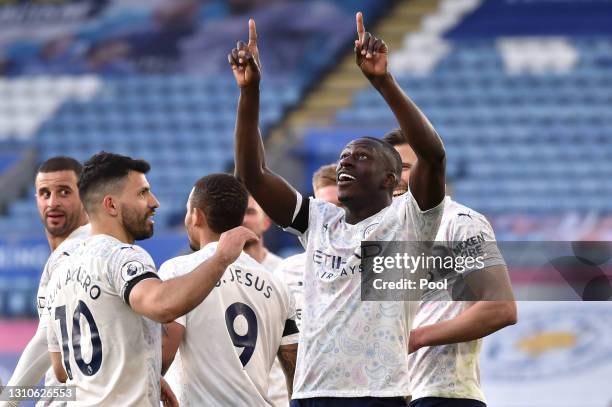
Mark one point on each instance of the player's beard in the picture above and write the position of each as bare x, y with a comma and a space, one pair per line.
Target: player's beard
193, 244
71, 222
136, 224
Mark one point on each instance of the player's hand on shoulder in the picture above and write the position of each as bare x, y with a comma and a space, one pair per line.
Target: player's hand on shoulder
167, 398
231, 244
244, 60
371, 53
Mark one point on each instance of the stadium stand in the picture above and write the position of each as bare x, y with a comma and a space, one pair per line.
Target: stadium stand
521, 97
147, 79
525, 119
519, 90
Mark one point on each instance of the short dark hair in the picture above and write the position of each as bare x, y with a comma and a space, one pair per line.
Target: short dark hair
393, 158
395, 137
61, 163
223, 199
104, 173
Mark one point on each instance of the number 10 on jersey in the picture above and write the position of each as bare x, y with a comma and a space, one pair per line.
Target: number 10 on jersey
87, 368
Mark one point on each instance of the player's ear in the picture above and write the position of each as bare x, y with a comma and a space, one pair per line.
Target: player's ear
198, 218
390, 181
267, 222
110, 205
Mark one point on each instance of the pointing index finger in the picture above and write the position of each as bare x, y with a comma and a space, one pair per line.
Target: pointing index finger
252, 33
360, 27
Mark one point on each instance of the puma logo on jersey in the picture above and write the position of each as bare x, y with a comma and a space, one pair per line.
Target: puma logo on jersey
464, 214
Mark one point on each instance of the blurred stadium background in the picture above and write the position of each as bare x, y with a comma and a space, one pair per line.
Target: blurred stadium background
520, 91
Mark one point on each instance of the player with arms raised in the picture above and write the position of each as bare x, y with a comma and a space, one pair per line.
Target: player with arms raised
106, 301
351, 352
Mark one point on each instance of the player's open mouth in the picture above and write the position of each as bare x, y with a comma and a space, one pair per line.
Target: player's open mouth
345, 179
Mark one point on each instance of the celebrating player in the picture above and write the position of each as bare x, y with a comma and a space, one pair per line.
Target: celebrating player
291, 270
247, 320
449, 375
350, 351
65, 222
104, 300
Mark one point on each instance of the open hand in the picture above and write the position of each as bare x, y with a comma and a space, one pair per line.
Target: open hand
371, 53
244, 60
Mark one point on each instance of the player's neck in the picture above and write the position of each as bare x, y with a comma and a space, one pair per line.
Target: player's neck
55, 241
208, 236
357, 213
111, 229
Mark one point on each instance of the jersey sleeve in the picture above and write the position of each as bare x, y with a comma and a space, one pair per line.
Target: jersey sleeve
425, 223
300, 221
291, 332
53, 344
47, 283
127, 267
472, 236
311, 218
47, 317
167, 270
41, 301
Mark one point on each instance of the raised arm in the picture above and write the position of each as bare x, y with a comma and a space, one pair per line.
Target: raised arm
164, 301
427, 177
272, 192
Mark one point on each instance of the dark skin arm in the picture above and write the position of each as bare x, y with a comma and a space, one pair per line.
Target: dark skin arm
287, 356
427, 177
272, 192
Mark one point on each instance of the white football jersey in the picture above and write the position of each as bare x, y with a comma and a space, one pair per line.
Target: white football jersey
233, 336
111, 354
277, 389
452, 370
288, 271
349, 347
291, 272
271, 261
61, 253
